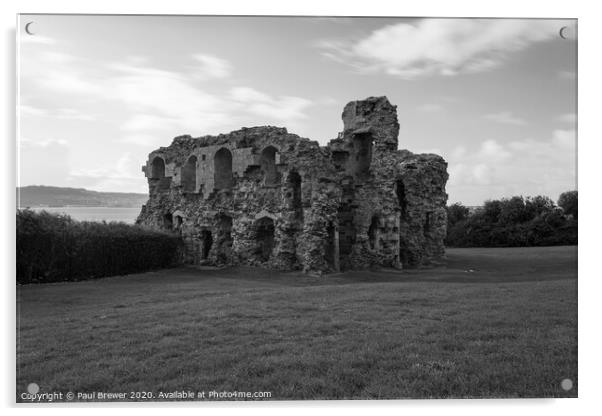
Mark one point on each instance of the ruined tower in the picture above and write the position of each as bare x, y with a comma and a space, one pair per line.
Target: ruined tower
263, 196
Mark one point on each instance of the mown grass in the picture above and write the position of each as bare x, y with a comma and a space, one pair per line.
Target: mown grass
492, 323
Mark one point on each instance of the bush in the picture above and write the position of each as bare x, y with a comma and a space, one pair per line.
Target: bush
52, 248
456, 213
568, 202
513, 222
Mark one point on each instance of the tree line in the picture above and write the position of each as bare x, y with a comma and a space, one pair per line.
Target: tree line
54, 247
514, 222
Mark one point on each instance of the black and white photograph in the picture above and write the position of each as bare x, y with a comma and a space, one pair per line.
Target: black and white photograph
295, 208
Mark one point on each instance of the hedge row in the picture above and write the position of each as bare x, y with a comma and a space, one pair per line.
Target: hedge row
52, 248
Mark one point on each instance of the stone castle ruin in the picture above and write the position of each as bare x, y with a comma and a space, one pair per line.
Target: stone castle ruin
262, 196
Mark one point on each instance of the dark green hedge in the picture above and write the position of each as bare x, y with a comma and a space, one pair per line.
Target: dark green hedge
53, 248
512, 222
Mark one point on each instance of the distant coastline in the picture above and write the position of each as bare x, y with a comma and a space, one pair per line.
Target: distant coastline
59, 197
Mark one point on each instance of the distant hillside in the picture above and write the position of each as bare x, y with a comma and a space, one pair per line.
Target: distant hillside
53, 196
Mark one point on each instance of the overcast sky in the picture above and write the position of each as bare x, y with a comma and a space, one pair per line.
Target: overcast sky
496, 98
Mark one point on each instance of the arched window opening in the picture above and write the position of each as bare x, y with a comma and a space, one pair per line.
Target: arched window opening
373, 234
294, 193
222, 166
332, 246
400, 190
427, 222
346, 223
223, 238
362, 149
404, 253
158, 168
265, 238
189, 175
267, 161
177, 222
168, 221
206, 243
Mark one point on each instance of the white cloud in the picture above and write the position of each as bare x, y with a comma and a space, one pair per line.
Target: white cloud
168, 102
568, 118
124, 168
444, 47
566, 139
212, 67
246, 95
520, 167
36, 39
147, 106
140, 122
59, 113
568, 75
284, 109
29, 110
143, 139
28, 142
42, 161
73, 114
123, 175
505, 117
492, 150
458, 153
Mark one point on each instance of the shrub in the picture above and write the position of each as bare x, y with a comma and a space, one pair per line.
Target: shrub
568, 202
456, 213
53, 248
514, 222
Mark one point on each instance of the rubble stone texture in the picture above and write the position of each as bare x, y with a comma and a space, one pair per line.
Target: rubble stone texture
262, 196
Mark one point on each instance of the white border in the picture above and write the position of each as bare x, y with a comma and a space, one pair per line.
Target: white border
589, 135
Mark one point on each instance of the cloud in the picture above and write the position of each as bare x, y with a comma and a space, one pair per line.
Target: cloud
36, 39
73, 114
493, 151
271, 108
570, 118
124, 168
147, 140
123, 175
505, 117
566, 139
519, 167
29, 110
139, 122
444, 47
42, 161
210, 66
140, 106
59, 113
164, 101
26, 142
568, 75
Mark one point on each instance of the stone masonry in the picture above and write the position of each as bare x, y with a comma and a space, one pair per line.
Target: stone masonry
262, 196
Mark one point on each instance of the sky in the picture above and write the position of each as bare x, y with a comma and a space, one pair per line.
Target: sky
495, 97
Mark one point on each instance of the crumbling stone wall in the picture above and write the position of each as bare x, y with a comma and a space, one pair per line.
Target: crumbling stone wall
262, 196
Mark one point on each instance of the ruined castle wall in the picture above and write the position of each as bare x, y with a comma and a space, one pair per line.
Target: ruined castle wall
261, 196
424, 227
267, 219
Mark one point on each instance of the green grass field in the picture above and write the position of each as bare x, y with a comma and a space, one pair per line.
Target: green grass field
490, 323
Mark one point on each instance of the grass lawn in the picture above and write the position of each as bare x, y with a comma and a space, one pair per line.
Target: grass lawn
490, 323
